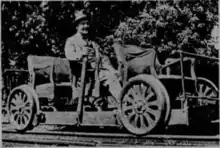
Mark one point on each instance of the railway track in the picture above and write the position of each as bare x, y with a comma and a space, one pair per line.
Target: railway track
67, 138
47, 142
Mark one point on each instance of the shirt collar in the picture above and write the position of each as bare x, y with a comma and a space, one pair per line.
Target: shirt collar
80, 36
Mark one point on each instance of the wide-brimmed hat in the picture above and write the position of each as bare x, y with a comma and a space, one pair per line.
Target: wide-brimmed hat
80, 16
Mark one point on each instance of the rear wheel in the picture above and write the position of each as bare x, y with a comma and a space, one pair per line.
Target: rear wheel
21, 109
142, 105
208, 93
205, 88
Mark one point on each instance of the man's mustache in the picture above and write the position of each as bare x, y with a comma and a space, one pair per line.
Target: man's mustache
85, 28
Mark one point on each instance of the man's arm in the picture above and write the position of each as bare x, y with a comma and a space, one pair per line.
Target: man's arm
73, 51
96, 49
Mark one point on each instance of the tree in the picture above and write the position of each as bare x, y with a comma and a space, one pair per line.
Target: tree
41, 28
173, 25
36, 28
168, 26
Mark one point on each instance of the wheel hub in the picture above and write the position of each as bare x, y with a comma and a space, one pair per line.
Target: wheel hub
139, 107
20, 110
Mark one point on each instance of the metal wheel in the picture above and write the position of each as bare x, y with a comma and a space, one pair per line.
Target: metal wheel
205, 88
208, 103
21, 108
142, 105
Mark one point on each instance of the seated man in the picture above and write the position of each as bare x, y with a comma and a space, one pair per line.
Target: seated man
78, 46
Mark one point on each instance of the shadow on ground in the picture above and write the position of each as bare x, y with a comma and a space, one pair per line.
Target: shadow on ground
211, 129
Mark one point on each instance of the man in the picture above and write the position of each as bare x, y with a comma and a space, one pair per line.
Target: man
79, 45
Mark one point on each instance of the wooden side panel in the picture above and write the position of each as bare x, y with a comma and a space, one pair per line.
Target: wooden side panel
63, 118
105, 118
178, 116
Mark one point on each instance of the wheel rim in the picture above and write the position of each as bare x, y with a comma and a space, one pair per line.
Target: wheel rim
141, 108
20, 109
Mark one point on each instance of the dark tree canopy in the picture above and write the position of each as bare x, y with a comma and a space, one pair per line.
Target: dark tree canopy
41, 28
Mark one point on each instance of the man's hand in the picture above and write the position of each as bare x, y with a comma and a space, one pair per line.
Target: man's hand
85, 51
89, 51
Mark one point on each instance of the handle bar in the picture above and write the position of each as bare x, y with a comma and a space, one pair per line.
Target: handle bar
193, 55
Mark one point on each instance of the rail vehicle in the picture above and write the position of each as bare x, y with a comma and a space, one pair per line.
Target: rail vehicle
148, 102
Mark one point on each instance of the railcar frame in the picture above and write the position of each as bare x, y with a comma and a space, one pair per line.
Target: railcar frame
147, 102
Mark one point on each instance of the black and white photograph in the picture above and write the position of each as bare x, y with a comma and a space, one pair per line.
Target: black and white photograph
127, 73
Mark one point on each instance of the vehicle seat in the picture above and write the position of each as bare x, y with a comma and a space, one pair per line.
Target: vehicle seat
62, 74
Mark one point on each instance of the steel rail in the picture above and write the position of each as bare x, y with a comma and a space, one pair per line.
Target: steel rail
120, 135
49, 142
105, 139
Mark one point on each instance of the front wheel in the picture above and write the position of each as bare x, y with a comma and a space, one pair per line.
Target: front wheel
21, 108
142, 106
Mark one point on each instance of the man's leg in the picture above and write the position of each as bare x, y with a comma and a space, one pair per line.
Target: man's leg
115, 89
75, 70
112, 81
94, 77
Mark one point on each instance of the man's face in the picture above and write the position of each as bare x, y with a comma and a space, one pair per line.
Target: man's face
82, 27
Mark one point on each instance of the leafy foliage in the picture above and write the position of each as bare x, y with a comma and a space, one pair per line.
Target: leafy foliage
41, 28
173, 25
34, 28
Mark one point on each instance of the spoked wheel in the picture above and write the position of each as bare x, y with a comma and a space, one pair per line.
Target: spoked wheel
21, 109
208, 102
206, 88
142, 105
